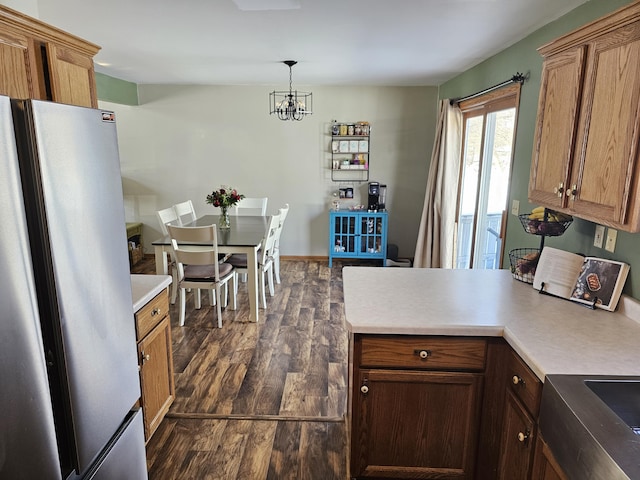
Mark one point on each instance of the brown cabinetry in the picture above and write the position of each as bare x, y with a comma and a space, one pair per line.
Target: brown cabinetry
155, 359
545, 466
519, 428
416, 405
42, 62
586, 151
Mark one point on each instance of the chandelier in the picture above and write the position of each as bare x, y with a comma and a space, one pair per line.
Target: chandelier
291, 105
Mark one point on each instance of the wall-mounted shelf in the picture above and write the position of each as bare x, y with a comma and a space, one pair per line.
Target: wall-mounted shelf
349, 148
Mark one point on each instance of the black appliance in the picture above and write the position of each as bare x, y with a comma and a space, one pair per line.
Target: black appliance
374, 197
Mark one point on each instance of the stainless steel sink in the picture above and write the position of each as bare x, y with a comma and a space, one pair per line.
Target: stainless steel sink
589, 422
621, 396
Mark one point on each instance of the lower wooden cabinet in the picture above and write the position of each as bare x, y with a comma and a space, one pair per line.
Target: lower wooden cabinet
520, 421
545, 466
414, 414
153, 327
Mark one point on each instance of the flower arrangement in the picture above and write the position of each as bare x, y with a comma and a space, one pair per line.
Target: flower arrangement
224, 197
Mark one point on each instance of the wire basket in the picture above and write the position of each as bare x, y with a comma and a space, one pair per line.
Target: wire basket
523, 263
549, 228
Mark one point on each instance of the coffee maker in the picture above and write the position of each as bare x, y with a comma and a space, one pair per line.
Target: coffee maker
374, 197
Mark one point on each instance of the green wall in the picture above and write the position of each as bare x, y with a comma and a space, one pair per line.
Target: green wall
523, 57
114, 90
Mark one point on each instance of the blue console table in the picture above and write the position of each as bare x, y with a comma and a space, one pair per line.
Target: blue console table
357, 234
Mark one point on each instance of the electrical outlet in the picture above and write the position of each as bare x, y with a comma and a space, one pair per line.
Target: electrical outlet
515, 207
610, 244
598, 239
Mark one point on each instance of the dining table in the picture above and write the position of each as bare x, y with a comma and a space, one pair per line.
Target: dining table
244, 236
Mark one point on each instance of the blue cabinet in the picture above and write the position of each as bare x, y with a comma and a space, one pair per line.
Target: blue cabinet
357, 235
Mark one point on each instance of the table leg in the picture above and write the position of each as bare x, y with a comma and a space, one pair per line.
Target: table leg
162, 267
252, 283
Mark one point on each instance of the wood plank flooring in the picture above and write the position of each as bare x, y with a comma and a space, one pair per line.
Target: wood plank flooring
259, 401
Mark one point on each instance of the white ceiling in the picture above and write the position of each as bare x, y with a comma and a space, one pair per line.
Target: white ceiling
336, 42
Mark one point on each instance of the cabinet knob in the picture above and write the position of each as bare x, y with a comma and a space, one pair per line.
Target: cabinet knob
155, 312
523, 436
559, 190
572, 193
423, 354
517, 380
145, 357
364, 389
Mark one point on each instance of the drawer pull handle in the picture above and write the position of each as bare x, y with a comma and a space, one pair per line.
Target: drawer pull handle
523, 436
364, 389
145, 357
155, 311
517, 380
423, 354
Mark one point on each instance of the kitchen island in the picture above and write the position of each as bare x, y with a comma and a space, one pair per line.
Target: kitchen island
436, 345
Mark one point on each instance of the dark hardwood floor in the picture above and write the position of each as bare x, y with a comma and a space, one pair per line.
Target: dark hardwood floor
259, 401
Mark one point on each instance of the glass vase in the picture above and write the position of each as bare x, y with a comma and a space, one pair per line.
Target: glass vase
224, 223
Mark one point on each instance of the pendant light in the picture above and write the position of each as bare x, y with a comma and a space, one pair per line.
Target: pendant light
291, 105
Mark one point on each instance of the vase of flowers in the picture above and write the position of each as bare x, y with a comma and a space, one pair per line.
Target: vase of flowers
224, 198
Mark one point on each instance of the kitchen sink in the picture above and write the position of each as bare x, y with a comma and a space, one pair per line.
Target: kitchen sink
623, 397
590, 424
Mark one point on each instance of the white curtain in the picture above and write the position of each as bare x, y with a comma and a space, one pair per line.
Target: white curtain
436, 238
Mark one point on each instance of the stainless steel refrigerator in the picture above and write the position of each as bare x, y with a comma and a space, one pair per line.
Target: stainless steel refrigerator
68, 363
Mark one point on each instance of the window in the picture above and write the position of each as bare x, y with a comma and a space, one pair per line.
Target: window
485, 172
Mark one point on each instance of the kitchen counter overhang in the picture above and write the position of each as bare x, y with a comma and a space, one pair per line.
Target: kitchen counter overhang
552, 335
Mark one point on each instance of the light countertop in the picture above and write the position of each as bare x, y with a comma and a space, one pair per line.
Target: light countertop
146, 287
553, 335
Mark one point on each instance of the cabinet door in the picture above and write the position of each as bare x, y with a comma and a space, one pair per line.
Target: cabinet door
556, 125
610, 127
18, 66
545, 466
420, 425
345, 234
518, 440
371, 234
156, 375
72, 77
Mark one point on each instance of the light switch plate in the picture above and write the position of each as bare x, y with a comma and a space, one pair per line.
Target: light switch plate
598, 239
610, 244
515, 207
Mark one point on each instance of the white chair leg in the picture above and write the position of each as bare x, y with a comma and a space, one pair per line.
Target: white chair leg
212, 298
270, 278
261, 288
174, 285
225, 294
197, 299
276, 266
219, 308
182, 306
234, 286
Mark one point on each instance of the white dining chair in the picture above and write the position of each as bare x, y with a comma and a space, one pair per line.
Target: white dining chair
168, 216
250, 206
185, 212
200, 269
265, 260
284, 211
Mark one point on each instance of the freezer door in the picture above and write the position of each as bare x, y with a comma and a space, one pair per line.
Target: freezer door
27, 436
76, 152
125, 456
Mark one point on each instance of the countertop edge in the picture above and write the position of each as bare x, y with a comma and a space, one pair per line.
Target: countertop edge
145, 287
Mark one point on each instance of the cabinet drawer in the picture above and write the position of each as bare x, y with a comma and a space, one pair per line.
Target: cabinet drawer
423, 352
149, 315
524, 384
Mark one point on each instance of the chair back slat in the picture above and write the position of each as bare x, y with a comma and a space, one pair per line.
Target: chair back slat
250, 206
167, 216
185, 212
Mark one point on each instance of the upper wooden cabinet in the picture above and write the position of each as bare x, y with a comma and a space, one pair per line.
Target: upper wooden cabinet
586, 160
40, 61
